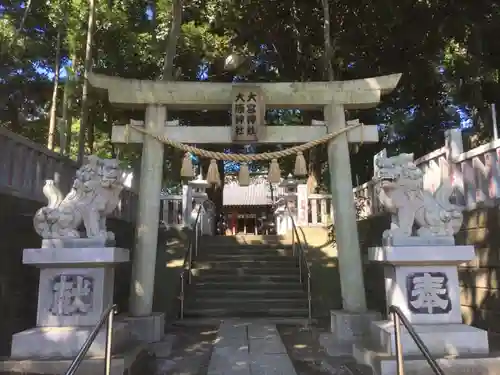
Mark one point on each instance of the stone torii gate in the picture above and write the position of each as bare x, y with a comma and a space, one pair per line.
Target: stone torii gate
156, 97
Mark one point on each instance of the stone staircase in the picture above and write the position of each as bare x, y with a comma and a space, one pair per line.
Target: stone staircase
245, 276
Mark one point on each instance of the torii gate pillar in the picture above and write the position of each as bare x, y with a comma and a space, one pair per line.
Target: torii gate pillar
349, 253
148, 216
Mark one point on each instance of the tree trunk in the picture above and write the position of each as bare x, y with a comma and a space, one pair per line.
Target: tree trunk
67, 109
85, 91
67, 119
53, 105
17, 32
173, 37
329, 70
170, 52
314, 163
109, 121
154, 23
328, 40
90, 131
312, 179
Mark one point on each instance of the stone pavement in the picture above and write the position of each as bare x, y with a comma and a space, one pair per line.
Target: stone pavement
249, 348
184, 350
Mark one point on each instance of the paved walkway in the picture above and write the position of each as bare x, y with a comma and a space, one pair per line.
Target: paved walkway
184, 350
249, 348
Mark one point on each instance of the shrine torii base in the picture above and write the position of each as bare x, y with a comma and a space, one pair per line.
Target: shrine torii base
333, 97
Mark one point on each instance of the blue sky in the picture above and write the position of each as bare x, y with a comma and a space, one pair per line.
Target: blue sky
50, 73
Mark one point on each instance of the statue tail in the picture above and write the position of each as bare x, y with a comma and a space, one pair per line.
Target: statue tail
53, 194
443, 195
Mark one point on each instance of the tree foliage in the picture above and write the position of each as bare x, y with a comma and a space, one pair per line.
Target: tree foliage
447, 51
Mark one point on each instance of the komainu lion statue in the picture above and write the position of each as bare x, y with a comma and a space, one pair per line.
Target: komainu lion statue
400, 191
94, 196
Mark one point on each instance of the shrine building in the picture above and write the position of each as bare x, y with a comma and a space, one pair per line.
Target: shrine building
247, 208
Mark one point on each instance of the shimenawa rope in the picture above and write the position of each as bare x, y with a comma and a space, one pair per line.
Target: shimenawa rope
213, 176
243, 158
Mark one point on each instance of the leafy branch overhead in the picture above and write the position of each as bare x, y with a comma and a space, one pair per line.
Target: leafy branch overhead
449, 54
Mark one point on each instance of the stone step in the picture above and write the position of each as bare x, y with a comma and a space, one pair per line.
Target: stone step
225, 269
245, 238
247, 264
269, 257
135, 360
251, 303
265, 249
245, 311
462, 364
247, 293
215, 321
227, 284
230, 241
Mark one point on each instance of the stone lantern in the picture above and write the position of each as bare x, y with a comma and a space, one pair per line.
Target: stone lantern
282, 214
198, 189
199, 195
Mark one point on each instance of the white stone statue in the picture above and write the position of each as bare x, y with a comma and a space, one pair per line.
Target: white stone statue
94, 196
399, 184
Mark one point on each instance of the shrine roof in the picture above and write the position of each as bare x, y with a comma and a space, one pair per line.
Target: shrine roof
253, 195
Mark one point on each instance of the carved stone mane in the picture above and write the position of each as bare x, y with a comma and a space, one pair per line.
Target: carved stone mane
399, 183
94, 196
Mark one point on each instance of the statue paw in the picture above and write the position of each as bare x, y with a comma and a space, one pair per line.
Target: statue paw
424, 232
392, 236
445, 216
395, 232
68, 233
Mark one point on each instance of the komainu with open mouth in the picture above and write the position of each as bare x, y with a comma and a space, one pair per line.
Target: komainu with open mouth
399, 184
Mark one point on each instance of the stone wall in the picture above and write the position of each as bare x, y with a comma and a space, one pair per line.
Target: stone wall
370, 234
325, 280
125, 237
480, 286
172, 245
19, 283
480, 278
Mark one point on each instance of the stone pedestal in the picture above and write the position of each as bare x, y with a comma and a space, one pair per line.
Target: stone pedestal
423, 282
146, 329
346, 329
351, 327
76, 286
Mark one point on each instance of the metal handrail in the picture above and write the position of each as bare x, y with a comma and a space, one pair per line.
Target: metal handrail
193, 243
107, 315
303, 264
399, 317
